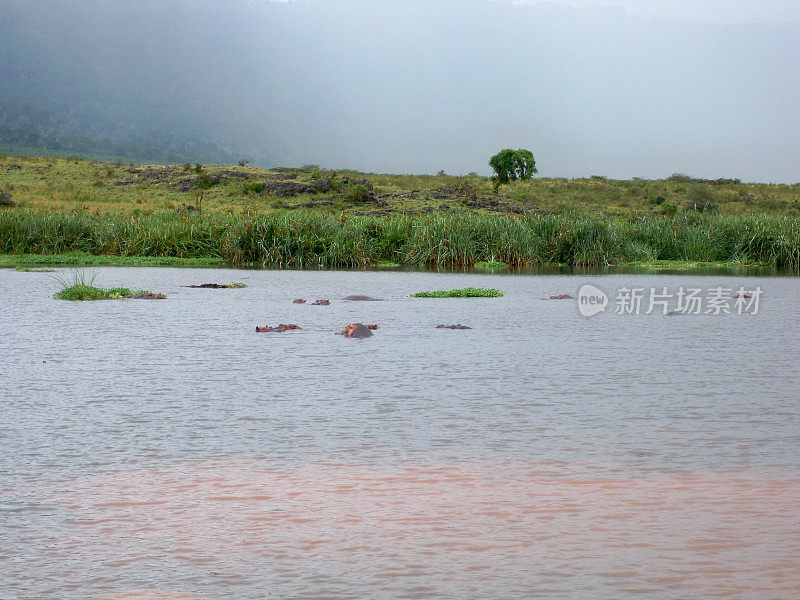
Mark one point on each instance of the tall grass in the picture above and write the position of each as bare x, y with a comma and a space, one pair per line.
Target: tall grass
302, 240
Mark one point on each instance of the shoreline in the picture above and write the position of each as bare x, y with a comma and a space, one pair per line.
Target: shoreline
665, 267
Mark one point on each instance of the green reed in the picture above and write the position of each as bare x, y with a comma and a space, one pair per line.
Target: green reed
304, 240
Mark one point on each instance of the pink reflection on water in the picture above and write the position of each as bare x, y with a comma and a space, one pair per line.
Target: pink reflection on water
710, 534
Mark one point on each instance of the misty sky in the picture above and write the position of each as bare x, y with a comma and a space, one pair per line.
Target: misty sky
704, 11
617, 88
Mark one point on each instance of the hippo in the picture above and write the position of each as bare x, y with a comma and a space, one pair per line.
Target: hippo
356, 330
279, 329
357, 298
146, 296
217, 286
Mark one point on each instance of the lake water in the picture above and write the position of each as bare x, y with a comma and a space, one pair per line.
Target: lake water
158, 450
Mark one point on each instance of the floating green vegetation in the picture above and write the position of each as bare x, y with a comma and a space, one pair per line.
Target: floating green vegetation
469, 292
32, 270
490, 265
81, 288
386, 264
89, 292
218, 286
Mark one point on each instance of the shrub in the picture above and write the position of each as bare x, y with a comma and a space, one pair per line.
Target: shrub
681, 178
254, 187
5, 198
670, 209
205, 182
357, 193
701, 199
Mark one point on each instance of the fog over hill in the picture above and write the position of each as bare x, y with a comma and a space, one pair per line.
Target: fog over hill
402, 85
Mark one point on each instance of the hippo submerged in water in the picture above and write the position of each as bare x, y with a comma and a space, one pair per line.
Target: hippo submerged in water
358, 298
357, 330
217, 286
146, 296
279, 329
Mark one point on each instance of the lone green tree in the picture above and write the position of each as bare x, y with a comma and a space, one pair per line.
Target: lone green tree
510, 165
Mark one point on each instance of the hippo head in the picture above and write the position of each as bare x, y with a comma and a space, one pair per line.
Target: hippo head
357, 330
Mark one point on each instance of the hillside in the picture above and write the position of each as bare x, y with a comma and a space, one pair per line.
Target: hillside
49, 183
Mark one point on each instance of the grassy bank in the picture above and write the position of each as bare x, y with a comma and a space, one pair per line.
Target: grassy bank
74, 212
308, 240
58, 184
84, 259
